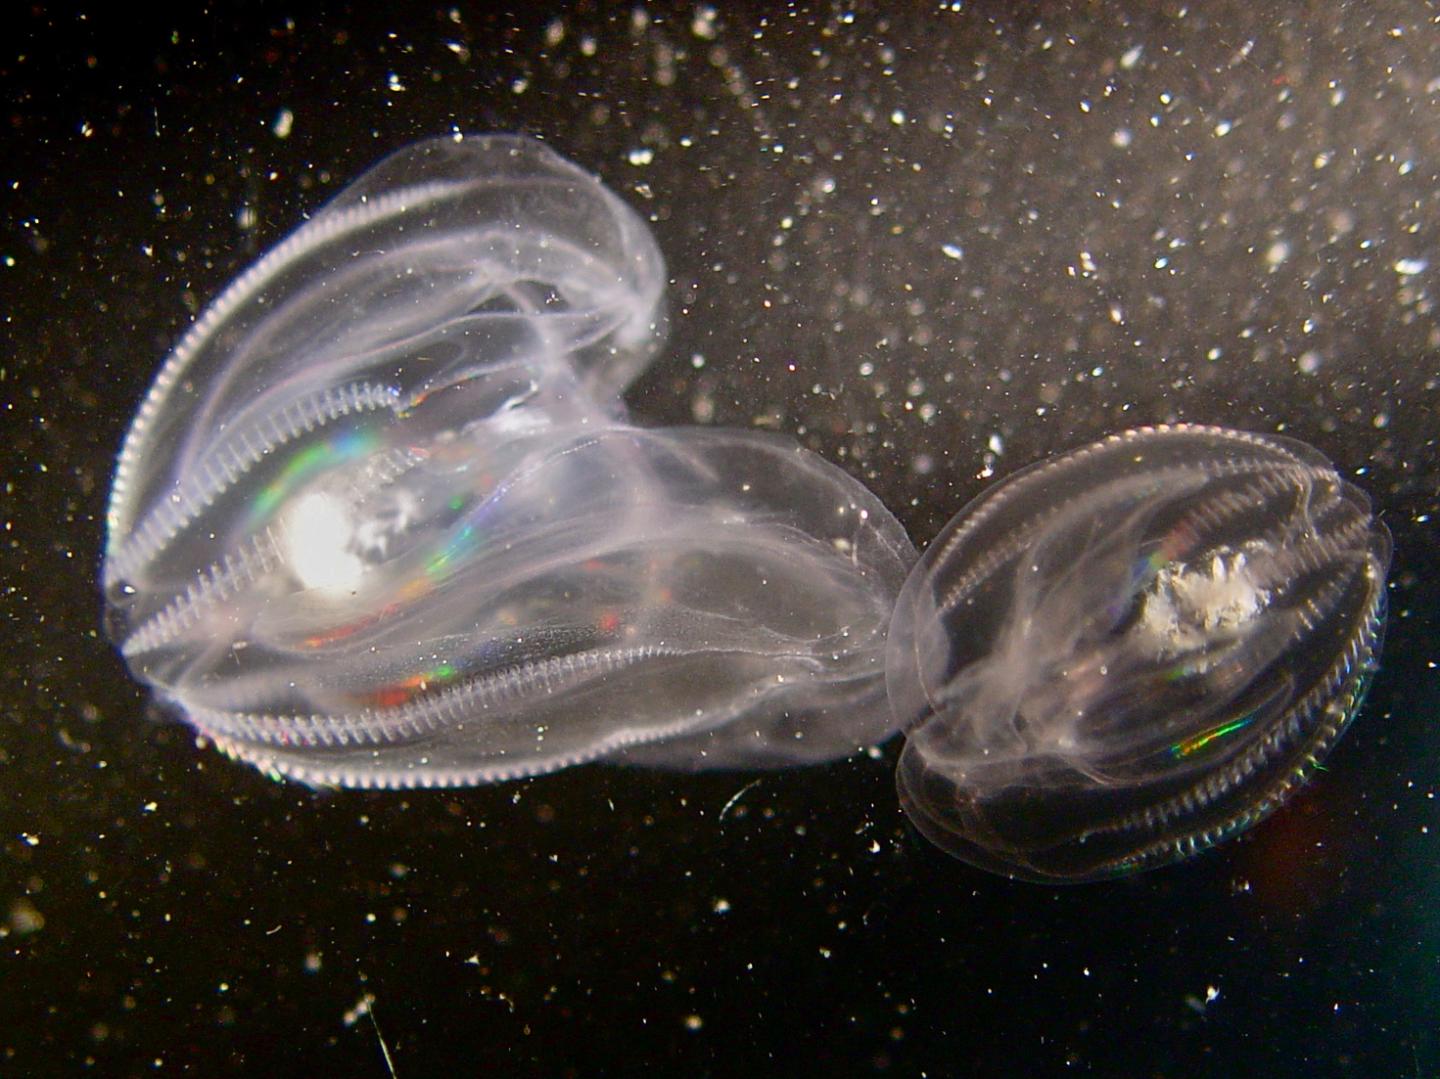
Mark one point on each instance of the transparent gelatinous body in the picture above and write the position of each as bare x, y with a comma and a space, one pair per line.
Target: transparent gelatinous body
1124, 654
381, 520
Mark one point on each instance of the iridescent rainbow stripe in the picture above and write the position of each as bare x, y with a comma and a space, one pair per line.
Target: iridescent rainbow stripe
397, 693
1190, 746
307, 463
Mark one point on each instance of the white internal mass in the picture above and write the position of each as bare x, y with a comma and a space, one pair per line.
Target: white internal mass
386, 517
318, 534
1188, 607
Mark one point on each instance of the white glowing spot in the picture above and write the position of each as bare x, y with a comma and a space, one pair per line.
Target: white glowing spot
318, 529
1411, 267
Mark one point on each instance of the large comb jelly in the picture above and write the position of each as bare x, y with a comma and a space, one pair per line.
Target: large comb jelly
381, 520
1124, 654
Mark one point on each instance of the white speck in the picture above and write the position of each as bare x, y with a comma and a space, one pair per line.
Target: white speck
1278, 252
24, 919
1308, 361
641, 155
952, 251
1131, 57
393, 83
997, 444
1411, 267
1117, 314
897, 117
283, 123
703, 24
1223, 128
1121, 138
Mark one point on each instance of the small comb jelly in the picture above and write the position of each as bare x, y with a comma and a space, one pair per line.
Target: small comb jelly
1122, 655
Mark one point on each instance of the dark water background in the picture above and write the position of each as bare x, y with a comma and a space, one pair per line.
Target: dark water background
932, 244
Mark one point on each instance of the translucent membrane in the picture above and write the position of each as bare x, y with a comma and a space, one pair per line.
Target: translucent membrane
1124, 654
381, 520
